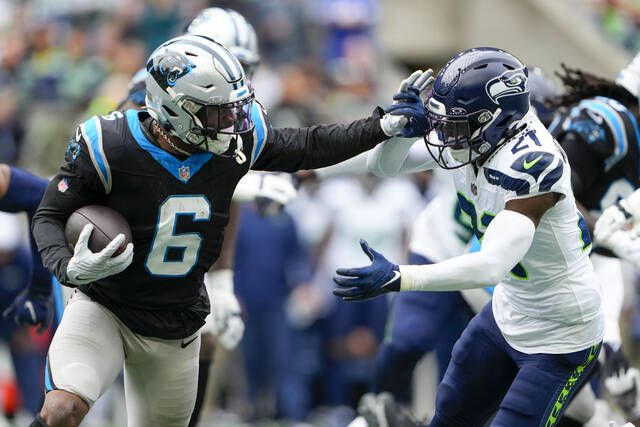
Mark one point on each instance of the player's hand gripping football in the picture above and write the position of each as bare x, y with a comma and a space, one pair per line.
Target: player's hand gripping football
361, 283
406, 117
86, 267
30, 308
226, 321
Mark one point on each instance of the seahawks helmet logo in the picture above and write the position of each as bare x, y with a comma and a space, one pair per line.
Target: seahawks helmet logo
169, 68
509, 83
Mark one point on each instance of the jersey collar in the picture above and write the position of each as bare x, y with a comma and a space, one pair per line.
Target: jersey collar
181, 170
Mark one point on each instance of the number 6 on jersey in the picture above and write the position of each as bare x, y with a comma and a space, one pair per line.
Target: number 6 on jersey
165, 239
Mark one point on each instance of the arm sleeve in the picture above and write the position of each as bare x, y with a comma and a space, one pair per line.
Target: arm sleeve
354, 166
75, 185
292, 149
400, 155
505, 243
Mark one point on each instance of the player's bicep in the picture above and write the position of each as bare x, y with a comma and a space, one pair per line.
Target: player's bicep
534, 207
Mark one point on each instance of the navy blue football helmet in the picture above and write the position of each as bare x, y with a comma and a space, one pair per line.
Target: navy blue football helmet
478, 100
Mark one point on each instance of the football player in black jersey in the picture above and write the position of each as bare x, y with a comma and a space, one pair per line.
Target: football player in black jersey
171, 171
598, 129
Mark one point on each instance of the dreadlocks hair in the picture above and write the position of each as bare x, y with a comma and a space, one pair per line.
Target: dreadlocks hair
580, 85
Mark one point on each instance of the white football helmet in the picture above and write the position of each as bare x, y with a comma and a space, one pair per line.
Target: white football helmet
629, 77
232, 30
197, 91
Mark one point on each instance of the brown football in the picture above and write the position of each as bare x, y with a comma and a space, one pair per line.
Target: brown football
107, 224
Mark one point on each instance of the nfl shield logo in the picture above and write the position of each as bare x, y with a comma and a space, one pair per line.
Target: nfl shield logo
184, 173
474, 189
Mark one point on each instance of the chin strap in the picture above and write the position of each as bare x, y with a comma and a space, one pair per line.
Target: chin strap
238, 154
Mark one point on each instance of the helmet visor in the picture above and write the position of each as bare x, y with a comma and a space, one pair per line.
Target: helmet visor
231, 118
457, 131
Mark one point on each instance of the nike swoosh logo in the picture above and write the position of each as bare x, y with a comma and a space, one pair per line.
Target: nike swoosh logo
396, 276
184, 344
32, 312
529, 165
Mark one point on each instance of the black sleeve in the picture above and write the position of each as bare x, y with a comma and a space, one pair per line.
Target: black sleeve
75, 185
586, 165
289, 150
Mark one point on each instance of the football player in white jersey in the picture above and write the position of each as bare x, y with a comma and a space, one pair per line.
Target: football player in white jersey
525, 354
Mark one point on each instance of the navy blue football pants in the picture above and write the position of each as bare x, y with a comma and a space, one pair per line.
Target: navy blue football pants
486, 375
419, 323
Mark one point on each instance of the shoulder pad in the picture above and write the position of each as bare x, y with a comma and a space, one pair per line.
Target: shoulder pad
529, 165
93, 133
604, 123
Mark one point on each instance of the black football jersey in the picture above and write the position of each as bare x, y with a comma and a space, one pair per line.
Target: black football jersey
600, 136
177, 209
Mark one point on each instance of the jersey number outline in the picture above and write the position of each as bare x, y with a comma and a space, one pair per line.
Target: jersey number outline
165, 239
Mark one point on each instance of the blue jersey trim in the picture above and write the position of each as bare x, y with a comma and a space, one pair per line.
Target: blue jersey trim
93, 136
261, 131
192, 164
617, 126
552, 177
48, 381
520, 186
58, 298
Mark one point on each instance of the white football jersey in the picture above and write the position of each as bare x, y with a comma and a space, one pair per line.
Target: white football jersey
550, 302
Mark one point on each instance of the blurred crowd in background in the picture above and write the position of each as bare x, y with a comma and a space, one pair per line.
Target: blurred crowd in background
303, 349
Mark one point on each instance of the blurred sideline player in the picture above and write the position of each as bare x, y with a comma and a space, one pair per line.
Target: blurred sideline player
27, 350
526, 354
196, 153
21, 191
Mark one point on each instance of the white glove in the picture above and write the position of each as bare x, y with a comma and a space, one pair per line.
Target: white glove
226, 318
625, 245
86, 267
613, 219
247, 187
277, 187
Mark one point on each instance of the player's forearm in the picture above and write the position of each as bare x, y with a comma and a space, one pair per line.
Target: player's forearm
354, 166
227, 253
505, 243
290, 150
398, 156
49, 236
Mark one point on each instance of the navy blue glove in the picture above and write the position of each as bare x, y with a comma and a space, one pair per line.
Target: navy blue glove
615, 361
407, 117
30, 309
361, 283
